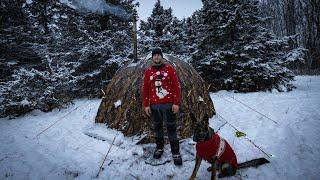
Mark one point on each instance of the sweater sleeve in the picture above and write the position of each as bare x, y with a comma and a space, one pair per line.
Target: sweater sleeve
175, 87
145, 90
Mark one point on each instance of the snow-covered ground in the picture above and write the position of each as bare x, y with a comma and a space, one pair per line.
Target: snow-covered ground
65, 151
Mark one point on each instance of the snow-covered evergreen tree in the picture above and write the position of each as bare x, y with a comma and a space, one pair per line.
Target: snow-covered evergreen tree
57, 53
161, 29
235, 51
190, 32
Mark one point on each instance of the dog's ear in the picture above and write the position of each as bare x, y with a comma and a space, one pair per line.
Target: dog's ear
195, 137
211, 132
193, 121
206, 118
195, 132
194, 126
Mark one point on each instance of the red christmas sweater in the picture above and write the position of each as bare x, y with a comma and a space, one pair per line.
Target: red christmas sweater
160, 86
219, 147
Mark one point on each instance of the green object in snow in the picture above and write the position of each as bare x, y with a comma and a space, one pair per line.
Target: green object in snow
240, 134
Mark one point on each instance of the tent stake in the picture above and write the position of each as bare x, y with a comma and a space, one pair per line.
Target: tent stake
105, 157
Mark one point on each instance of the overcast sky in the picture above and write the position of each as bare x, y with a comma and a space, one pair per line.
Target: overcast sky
180, 8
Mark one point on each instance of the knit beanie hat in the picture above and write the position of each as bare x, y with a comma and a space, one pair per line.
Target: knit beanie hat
157, 51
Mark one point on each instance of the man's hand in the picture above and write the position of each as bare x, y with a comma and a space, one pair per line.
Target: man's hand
147, 110
175, 109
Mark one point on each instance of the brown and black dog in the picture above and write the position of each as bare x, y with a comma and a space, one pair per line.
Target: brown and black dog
217, 151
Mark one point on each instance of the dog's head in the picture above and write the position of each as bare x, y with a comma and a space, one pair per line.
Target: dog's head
201, 130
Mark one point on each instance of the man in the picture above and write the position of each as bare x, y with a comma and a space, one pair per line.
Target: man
161, 100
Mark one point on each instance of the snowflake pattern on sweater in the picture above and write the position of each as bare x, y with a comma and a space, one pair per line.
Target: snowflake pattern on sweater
160, 86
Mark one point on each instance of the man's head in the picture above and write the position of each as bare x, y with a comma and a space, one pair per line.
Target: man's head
157, 56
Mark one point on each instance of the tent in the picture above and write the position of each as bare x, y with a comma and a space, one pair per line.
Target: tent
121, 107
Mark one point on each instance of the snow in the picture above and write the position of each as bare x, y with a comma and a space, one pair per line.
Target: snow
29, 1
117, 103
12, 63
132, 64
295, 54
66, 150
25, 102
200, 99
98, 6
149, 56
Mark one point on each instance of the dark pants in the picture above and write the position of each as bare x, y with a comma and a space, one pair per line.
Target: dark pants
160, 113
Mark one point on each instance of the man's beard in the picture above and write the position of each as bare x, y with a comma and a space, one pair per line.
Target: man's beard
158, 65
157, 62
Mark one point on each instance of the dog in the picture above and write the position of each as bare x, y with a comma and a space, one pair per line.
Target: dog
217, 151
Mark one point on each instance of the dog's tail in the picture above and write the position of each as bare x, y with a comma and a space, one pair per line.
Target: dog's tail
253, 163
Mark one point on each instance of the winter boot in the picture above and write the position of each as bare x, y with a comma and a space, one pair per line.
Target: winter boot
177, 160
159, 149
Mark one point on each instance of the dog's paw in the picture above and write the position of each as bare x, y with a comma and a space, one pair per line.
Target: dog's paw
222, 175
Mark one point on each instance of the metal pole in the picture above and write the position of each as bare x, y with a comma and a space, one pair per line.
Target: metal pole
135, 49
105, 157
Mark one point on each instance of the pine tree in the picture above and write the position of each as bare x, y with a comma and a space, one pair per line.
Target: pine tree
235, 51
158, 30
68, 55
190, 34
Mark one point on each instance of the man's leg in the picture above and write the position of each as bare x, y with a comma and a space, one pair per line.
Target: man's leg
157, 120
171, 124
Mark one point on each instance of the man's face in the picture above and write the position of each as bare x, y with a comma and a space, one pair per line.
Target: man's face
157, 58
